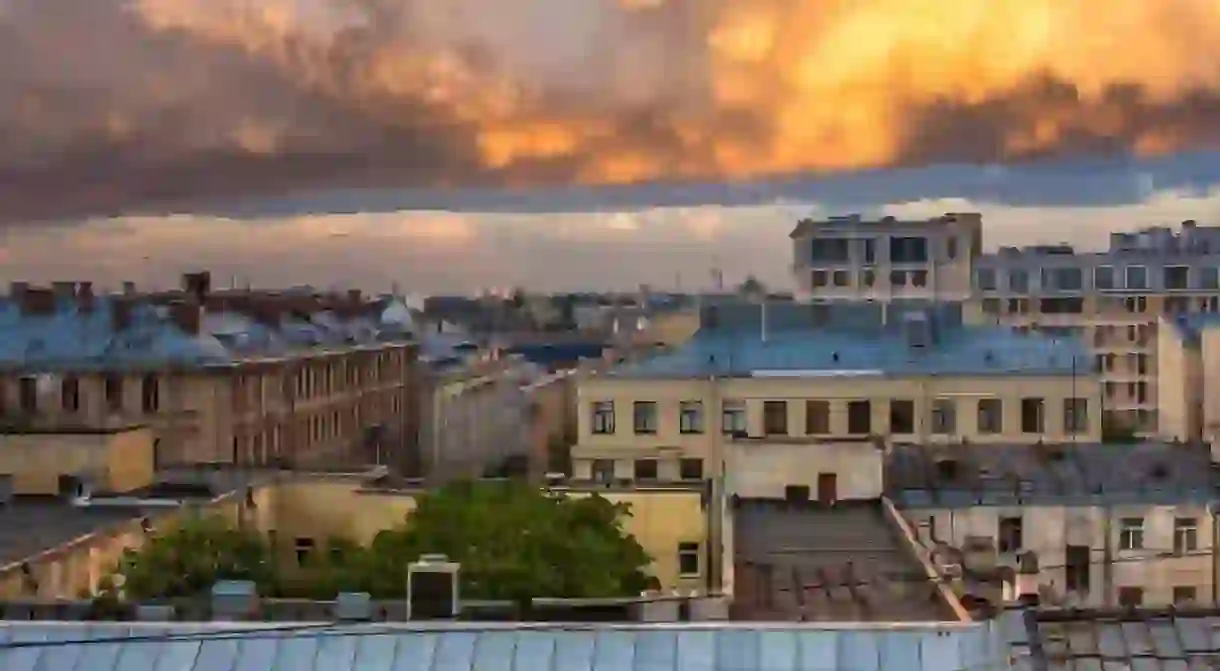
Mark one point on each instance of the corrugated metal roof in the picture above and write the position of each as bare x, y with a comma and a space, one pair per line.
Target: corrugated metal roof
972, 351
1152, 642
722, 647
71, 339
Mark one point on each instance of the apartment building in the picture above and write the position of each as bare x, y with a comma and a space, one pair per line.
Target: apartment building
1104, 525
850, 258
795, 403
251, 378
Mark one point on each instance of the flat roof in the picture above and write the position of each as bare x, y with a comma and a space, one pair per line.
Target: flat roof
31, 525
921, 476
840, 563
480, 647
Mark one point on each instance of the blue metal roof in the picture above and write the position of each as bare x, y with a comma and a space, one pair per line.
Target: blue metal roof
75, 340
139, 647
546, 354
956, 350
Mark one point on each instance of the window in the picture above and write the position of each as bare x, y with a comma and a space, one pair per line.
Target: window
902, 417
867, 278
733, 417
1176, 277
1069, 279
951, 248
1185, 535
1103, 277
898, 278
644, 417
1011, 537
841, 278
70, 394
603, 417
688, 559
1137, 277
991, 416
775, 418
1209, 278
919, 278
1130, 597
304, 548
908, 250
1018, 281
1184, 595
1136, 304
691, 469
1131, 533
944, 416
27, 393
818, 278
150, 394
645, 469
870, 250
1141, 364
985, 279
991, 306
603, 470
690, 417
859, 417
1032, 416
1075, 415
834, 250
817, 418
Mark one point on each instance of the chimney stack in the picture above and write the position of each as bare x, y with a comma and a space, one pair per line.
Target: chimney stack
187, 315
84, 296
16, 292
64, 291
129, 288
198, 285
120, 313
38, 302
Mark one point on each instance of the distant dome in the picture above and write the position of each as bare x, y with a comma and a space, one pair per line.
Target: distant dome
398, 314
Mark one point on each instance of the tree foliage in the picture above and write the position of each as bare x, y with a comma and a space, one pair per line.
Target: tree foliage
186, 559
514, 542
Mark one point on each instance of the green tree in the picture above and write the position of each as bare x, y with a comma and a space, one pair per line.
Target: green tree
188, 558
515, 542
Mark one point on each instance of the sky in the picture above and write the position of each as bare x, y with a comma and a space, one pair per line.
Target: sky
565, 143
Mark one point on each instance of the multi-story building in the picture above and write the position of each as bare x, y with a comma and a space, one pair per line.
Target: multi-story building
800, 403
242, 377
1113, 298
850, 258
1108, 525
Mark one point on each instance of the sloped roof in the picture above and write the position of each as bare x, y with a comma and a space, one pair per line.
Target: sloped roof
469, 647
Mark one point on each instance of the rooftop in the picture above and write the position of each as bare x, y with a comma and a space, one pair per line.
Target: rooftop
26, 646
1144, 639
844, 563
853, 341
808, 226
45, 331
1074, 474
31, 525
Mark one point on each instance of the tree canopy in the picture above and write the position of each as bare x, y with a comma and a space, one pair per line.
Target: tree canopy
514, 542
189, 557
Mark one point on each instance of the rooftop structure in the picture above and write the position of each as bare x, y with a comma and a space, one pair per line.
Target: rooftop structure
483, 647
1050, 474
847, 563
844, 341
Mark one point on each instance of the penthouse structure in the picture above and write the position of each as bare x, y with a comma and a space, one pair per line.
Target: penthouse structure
238, 377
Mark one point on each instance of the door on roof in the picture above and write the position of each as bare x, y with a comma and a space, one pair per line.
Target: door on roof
828, 488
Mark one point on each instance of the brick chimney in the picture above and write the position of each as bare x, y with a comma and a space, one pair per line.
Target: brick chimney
187, 315
38, 302
16, 292
84, 296
129, 288
198, 285
120, 313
